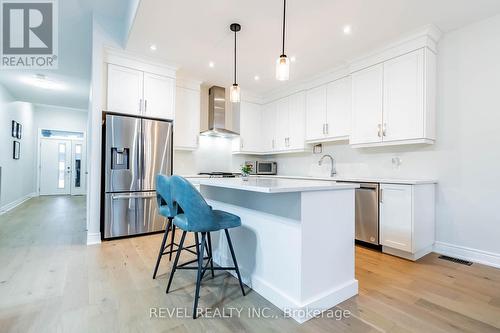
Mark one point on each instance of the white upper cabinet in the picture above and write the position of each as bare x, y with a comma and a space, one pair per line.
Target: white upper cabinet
394, 102
316, 113
159, 96
296, 121
125, 89
250, 128
282, 124
328, 111
338, 109
139, 88
187, 118
367, 105
404, 97
268, 127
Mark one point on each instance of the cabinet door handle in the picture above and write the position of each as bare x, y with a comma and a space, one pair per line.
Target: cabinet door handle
381, 196
384, 130
326, 128
323, 128
379, 133
145, 105
241, 143
140, 105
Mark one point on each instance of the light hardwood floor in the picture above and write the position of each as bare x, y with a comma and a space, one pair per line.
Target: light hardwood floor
50, 281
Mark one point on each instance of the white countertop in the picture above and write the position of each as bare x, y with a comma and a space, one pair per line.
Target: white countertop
345, 179
360, 179
272, 185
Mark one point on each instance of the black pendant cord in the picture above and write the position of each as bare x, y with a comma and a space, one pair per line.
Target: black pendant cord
235, 58
284, 17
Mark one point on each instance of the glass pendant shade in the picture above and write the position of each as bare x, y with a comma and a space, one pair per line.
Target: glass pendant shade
283, 68
234, 93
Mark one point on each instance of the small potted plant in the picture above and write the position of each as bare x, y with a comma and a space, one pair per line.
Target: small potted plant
245, 171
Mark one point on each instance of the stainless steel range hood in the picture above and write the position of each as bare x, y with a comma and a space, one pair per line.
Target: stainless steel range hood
217, 114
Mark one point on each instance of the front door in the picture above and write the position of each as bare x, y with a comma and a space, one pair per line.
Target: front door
78, 176
55, 167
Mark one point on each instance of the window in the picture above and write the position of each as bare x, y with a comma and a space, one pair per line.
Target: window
62, 165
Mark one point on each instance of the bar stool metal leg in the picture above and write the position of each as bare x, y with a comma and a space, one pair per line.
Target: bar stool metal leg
210, 253
172, 238
162, 247
234, 260
177, 255
201, 254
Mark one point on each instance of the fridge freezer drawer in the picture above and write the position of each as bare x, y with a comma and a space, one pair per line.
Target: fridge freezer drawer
128, 214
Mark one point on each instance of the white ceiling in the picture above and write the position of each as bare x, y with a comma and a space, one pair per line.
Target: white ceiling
189, 34
75, 30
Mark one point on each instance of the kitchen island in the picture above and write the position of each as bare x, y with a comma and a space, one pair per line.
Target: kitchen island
296, 243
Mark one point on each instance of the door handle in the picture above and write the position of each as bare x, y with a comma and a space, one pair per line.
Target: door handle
326, 128
379, 134
384, 130
145, 105
381, 196
133, 196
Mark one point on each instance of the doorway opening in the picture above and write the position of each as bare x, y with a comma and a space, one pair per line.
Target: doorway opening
61, 162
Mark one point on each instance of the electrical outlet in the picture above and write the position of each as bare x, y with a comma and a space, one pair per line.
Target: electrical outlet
396, 162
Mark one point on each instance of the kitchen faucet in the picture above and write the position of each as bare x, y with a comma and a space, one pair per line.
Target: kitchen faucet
333, 172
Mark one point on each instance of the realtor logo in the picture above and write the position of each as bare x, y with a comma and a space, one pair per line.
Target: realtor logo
29, 34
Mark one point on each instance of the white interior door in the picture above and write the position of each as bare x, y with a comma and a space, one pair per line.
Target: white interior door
55, 167
78, 163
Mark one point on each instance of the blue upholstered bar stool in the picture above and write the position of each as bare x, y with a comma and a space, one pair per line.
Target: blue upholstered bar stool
198, 216
167, 209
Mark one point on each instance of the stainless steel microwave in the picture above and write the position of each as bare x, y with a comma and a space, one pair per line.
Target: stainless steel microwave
266, 168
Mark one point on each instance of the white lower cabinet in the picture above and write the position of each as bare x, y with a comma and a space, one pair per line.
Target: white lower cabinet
407, 219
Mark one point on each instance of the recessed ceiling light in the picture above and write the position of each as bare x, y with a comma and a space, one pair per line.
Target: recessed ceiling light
152, 47
292, 58
347, 29
256, 78
41, 81
211, 64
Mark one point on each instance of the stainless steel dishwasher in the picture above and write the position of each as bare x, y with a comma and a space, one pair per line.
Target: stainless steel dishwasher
367, 213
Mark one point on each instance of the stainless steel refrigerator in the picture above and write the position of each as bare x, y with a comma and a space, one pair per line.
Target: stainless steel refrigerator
135, 150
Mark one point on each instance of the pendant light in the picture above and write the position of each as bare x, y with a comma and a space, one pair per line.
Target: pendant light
283, 63
234, 91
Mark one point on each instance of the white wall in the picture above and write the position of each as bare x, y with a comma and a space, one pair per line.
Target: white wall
100, 39
18, 177
55, 117
465, 159
213, 154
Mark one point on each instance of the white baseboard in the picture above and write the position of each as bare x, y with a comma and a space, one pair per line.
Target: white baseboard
467, 253
10, 206
93, 238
